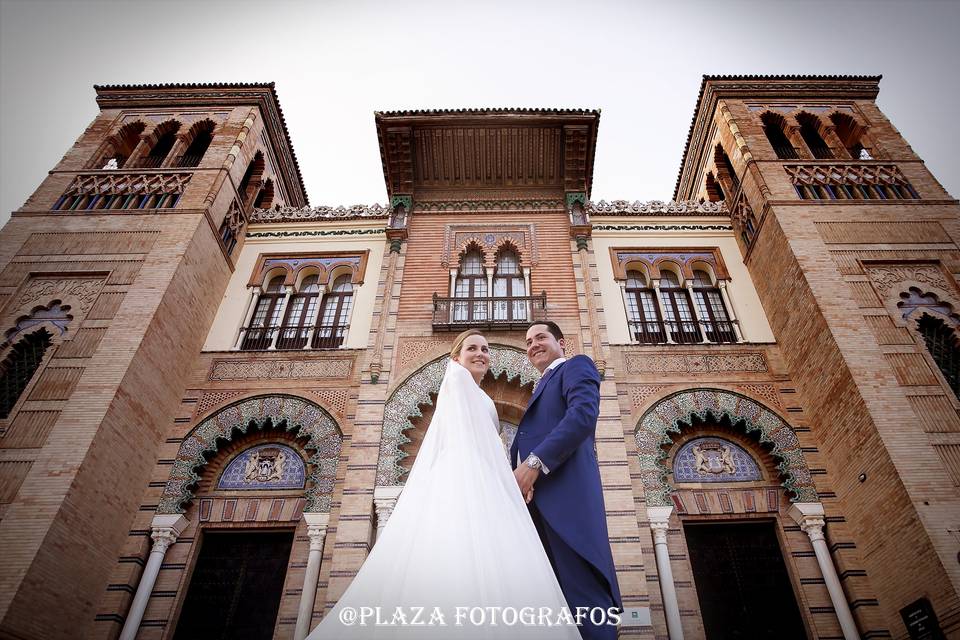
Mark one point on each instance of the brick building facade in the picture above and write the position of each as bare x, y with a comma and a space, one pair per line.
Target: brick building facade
212, 391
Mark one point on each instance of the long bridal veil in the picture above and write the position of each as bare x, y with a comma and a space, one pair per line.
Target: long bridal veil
459, 539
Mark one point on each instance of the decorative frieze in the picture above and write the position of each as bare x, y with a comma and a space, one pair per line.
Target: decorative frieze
281, 369
306, 214
656, 208
644, 363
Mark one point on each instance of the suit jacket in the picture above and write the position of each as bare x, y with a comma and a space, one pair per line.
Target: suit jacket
559, 427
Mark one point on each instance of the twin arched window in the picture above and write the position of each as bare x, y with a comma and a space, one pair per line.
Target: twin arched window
282, 321
812, 132
473, 301
673, 318
166, 139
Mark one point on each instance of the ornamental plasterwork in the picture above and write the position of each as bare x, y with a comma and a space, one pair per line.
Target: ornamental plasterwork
280, 369
405, 402
81, 293
322, 233
887, 277
667, 416
641, 363
479, 206
303, 418
303, 214
656, 207
672, 228
456, 238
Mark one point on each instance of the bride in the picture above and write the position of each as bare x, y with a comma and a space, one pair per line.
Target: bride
460, 556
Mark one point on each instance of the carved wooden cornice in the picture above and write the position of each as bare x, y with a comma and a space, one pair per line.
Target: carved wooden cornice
478, 149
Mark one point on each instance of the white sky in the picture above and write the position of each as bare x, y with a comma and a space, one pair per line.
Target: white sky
335, 63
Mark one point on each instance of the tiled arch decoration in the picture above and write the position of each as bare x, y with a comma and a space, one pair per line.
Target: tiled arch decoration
296, 414
666, 415
405, 401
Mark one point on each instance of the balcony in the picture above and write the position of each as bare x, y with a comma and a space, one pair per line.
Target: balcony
515, 312
291, 338
687, 332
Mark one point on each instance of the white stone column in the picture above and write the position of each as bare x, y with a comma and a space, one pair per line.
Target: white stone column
384, 500
453, 293
810, 517
663, 316
247, 316
315, 319
722, 284
287, 292
529, 292
317, 532
164, 530
696, 311
659, 523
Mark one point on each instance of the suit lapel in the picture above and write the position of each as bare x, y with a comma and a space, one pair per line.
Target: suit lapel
542, 384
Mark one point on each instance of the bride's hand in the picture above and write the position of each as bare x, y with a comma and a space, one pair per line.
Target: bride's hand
527, 498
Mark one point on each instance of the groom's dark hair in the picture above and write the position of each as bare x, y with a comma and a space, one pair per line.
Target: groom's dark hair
551, 327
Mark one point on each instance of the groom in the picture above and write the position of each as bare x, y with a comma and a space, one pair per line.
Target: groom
555, 466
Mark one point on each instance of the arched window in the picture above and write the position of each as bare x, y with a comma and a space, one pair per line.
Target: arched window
201, 135
677, 311
508, 282
726, 175
265, 196
709, 303
301, 309
642, 312
18, 368
250, 183
166, 137
942, 344
810, 127
471, 285
775, 126
714, 190
121, 146
266, 317
334, 315
850, 134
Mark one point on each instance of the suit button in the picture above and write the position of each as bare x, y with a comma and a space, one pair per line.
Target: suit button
519, 433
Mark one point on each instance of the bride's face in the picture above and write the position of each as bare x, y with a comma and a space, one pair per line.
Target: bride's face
475, 356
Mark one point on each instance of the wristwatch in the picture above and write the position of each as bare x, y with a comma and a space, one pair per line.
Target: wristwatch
533, 462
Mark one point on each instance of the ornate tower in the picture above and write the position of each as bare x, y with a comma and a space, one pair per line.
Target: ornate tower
853, 246
110, 276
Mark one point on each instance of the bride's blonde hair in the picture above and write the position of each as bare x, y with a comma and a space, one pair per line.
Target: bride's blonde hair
458, 343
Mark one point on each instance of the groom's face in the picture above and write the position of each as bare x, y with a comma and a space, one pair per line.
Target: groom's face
542, 347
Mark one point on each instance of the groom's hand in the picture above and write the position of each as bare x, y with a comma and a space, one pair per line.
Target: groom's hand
526, 476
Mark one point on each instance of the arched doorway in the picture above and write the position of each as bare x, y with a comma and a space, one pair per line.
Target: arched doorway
245, 478
725, 469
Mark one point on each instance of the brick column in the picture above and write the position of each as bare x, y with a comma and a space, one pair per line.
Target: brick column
165, 530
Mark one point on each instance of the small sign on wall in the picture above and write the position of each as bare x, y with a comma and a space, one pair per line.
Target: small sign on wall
921, 621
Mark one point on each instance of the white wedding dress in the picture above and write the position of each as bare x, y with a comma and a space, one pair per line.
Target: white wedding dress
459, 536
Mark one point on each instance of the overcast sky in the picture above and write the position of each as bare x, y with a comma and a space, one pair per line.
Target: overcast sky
335, 63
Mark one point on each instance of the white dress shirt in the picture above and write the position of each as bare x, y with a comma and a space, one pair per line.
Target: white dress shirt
553, 365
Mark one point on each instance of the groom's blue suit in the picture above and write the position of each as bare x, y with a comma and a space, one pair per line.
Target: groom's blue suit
567, 508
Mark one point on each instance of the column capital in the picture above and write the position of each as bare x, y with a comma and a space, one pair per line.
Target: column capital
316, 529
659, 518
721, 284
165, 529
811, 518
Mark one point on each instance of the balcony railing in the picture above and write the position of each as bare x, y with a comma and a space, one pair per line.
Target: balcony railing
821, 153
189, 160
786, 153
513, 312
148, 162
652, 332
288, 338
